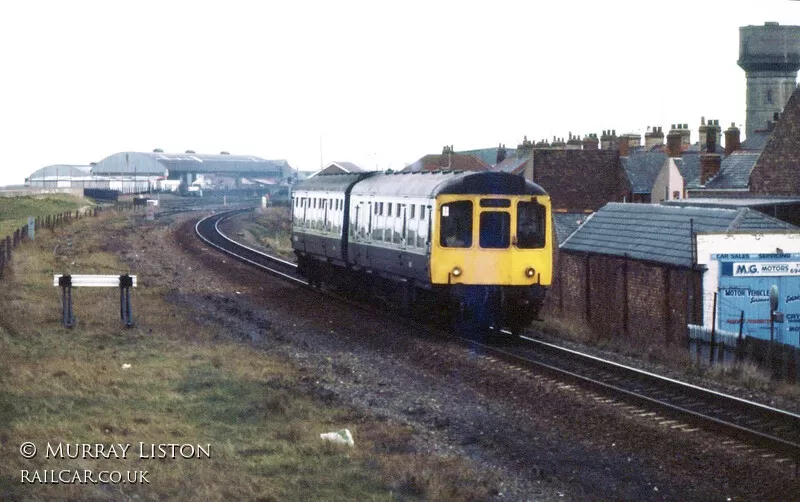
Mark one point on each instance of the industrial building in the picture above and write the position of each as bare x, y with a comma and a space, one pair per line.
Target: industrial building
62, 176
136, 172
142, 171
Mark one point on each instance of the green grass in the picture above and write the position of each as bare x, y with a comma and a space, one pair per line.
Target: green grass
14, 211
187, 383
272, 229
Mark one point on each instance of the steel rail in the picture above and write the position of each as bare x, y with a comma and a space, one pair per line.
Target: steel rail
604, 384
233, 248
710, 409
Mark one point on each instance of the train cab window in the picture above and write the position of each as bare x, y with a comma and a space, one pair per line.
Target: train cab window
495, 230
531, 227
455, 224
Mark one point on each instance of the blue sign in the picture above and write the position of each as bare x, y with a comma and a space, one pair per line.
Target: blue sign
744, 285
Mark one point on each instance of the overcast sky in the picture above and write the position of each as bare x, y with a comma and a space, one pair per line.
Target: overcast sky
376, 83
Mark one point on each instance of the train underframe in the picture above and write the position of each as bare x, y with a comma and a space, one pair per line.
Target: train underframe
463, 308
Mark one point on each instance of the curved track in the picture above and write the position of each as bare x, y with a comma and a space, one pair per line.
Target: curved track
774, 430
208, 230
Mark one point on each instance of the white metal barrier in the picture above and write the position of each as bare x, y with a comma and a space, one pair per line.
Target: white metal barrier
124, 282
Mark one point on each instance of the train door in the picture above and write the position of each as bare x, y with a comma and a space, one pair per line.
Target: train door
404, 226
325, 224
530, 232
355, 224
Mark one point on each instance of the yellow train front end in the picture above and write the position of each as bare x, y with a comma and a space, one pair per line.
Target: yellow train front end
494, 256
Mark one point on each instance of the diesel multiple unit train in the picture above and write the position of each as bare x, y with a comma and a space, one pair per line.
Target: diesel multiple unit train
477, 246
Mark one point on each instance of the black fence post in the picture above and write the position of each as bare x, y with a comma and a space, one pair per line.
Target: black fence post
65, 281
125, 310
739, 341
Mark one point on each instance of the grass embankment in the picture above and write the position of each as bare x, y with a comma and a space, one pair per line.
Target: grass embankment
14, 211
272, 229
169, 380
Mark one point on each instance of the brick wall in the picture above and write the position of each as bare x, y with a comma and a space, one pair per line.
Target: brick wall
775, 172
622, 298
579, 180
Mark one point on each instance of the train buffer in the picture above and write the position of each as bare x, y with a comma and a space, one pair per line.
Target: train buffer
124, 282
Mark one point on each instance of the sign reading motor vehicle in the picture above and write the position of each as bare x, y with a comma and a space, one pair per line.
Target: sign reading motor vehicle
745, 283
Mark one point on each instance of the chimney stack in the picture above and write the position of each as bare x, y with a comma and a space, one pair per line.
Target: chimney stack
653, 137
711, 140
709, 166
574, 142
525, 147
715, 130
732, 141
702, 132
686, 136
558, 143
608, 141
591, 142
501, 153
674, 139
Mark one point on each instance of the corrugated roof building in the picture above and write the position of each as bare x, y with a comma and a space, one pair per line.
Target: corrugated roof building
62, 176
172, 164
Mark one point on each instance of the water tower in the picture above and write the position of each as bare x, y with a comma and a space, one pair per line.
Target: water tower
770, 57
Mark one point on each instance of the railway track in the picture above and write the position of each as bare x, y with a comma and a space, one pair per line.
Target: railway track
773, 430
208, 230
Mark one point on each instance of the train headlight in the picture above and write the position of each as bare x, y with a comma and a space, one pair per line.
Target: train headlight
530, 272
456, 272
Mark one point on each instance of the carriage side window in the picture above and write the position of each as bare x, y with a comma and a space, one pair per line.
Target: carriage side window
531, 225
495, 230
421, 212
411, 211
455, 224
